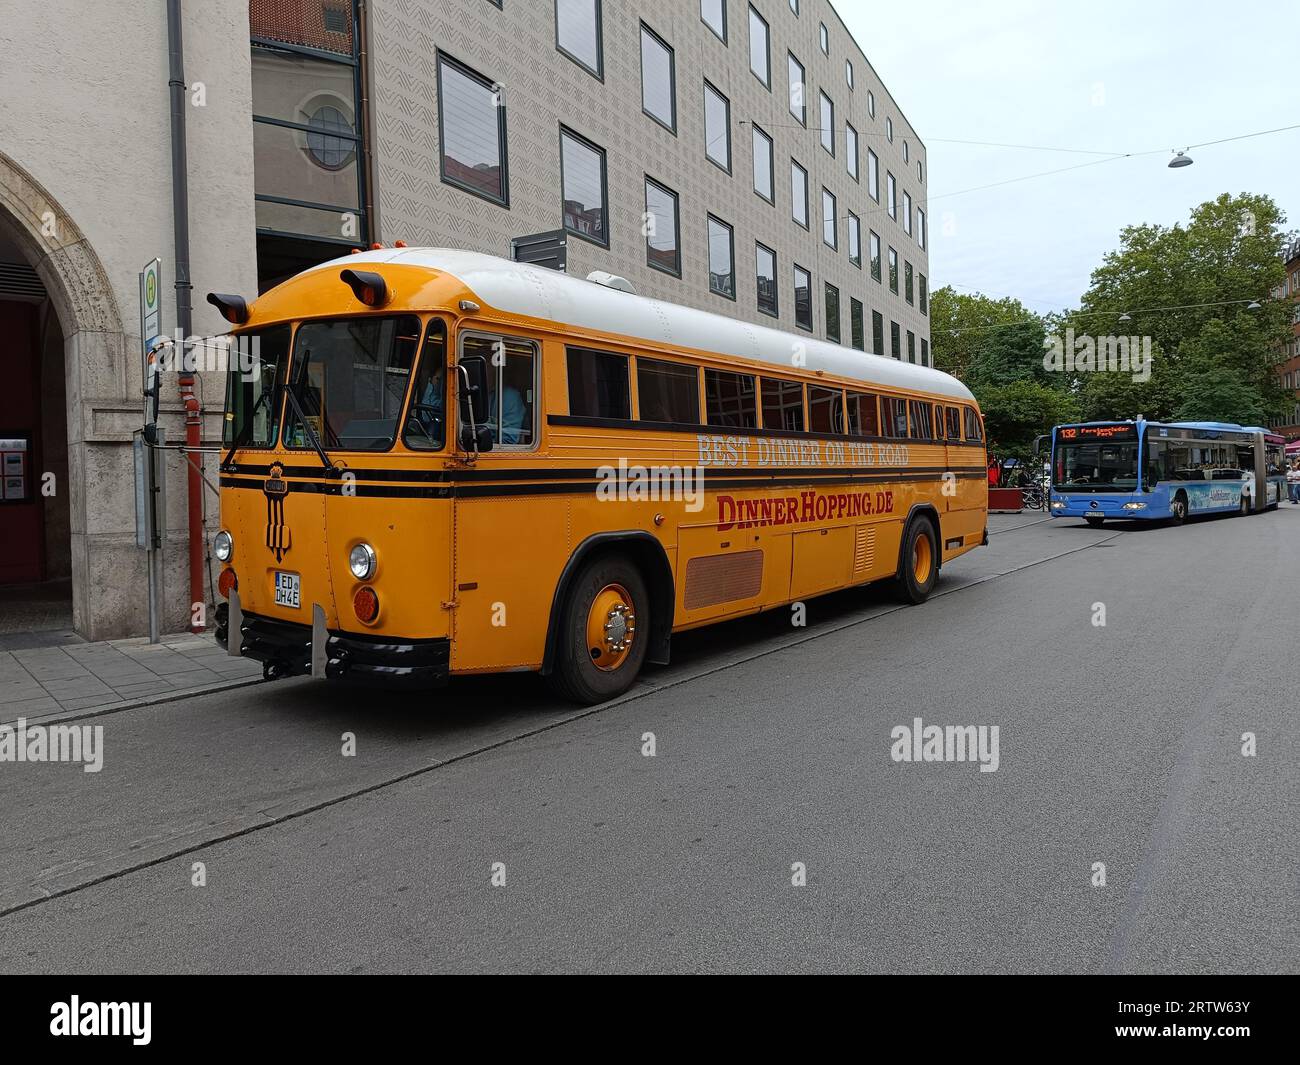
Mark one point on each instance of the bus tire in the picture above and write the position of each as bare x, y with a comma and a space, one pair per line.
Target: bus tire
1095, 520
1178, 509
604, 631
918, 561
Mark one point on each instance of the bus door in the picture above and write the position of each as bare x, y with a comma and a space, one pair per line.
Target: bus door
512, 524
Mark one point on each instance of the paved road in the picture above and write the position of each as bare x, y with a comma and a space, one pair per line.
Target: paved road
1118, 744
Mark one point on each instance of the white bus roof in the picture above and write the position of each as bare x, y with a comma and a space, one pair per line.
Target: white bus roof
538, 292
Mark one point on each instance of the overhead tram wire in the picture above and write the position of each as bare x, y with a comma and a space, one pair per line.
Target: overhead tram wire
1085, 314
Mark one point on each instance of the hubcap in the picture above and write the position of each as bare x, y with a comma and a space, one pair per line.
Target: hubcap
611, 627
922, 559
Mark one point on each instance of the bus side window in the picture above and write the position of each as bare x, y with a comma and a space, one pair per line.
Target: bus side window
425, 421
782, 404
952, 422
922, 429
511, 383
894, 417
825, 409
862, 416
598, 384
974, 431
730, 399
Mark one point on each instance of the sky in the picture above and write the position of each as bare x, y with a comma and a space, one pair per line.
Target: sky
1094, 75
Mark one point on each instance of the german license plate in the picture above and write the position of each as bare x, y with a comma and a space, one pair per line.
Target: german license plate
288, 589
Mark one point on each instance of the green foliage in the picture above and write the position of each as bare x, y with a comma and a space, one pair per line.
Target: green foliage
1016, 412
1186, 287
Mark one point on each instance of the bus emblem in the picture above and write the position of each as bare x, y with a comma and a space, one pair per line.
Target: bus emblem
277, 532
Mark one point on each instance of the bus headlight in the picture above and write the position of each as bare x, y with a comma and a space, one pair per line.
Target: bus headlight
361, 561
223, 546
1135, 506
1059, 504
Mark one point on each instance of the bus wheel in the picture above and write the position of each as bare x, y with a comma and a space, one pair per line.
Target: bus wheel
920, 562
1178, 509
604, 631
1094, 520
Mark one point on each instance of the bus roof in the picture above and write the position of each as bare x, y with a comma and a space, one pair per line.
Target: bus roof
538, 292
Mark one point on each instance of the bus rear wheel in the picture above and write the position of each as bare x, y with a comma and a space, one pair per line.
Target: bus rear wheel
604, 630
919, 562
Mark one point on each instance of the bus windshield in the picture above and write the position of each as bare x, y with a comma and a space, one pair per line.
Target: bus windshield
349, 378
1100, 467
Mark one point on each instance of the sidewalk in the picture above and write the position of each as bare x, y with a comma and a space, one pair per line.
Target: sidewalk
49, 681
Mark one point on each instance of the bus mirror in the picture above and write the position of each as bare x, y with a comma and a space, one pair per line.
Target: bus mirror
1038, 445
476, 439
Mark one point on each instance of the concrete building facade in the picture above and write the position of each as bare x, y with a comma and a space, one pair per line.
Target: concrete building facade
740, 156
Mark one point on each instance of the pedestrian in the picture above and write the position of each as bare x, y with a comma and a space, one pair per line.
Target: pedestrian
1293, 481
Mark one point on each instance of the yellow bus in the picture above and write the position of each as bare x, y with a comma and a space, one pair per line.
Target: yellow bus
439, 462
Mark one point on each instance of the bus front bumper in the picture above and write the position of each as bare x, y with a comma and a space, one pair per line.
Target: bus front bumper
285, 650
1102, 505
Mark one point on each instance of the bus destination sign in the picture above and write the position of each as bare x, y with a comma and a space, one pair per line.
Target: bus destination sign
1099, 432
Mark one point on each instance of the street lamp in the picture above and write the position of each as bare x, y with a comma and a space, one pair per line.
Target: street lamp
1253, 305
1125, 318
1180, 159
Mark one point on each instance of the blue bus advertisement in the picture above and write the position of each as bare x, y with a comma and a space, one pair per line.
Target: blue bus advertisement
1164, 471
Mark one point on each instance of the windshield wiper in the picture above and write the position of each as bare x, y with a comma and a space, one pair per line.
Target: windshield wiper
311, 433
247, 431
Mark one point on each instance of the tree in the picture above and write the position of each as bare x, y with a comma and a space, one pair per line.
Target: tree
1017, 412
1187, 287
998, 339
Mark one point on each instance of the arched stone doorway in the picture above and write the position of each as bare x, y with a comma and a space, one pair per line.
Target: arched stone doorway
79, 309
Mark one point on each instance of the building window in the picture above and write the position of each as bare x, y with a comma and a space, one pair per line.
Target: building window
877, 333
782, 404
920, 171
830, 235
798, 100
717, 127
760, 59
472, 133
325, 145
871, 103
855, 240
802, 298
891, 201
828, 123
873, 176
911, 356
765, 271
893, 271
598, 385
895, 346
832, 313
857, 335
583, 185
925, 352
907, 212
578, 33
907, 281
851, 150
730, 399
848, 72
714, 14
873, 247
663, 230
825, 39
667, 392
905, 155
722, 271
799, 194
889, 129
763, 177
923, 294
794, 6
658, 79
920, 228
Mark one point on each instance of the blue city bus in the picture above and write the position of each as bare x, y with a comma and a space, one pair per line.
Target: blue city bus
1158, 471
